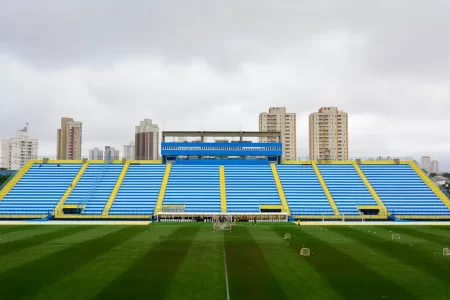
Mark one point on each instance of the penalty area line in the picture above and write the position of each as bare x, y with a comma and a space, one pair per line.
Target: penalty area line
226, 269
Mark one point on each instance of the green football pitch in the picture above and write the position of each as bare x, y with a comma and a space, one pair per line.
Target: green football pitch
191, 261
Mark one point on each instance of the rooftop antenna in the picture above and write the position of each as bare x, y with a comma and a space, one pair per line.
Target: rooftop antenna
25, 129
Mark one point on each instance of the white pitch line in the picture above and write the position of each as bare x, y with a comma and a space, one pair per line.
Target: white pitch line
226, 269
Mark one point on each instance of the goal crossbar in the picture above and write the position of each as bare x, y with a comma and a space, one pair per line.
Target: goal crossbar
395, 236
305, 252
222, 222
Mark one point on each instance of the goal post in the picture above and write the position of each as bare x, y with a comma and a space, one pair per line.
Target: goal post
305, 252
222, 222
446, 251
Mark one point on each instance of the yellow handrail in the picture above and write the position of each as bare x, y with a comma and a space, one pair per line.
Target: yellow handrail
59, 206
223, 190
162, 190
280, 190
9, 186
430, 183
325, 189
114, 192
369, 187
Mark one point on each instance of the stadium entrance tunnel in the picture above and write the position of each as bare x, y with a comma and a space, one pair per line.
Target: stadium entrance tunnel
369, 210
74, 209
271, 208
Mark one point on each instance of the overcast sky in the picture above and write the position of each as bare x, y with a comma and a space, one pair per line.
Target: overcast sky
218, 64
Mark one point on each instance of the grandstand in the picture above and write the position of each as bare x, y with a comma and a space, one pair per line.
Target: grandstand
234, 177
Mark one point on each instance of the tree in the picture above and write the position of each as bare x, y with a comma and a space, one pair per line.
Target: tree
3, 178
446, 175
433, 174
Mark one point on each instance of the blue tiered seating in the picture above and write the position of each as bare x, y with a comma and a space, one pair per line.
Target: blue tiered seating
139, 190
403, 191
39, 190
346, 187
95, 187
196, 187
303, 191
248, 187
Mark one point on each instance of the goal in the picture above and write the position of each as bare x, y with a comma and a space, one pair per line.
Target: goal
395, 236
305, 252
222, 222
287, 236
446, 252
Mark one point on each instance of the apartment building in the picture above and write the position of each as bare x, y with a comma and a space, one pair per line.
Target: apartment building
146, 140
96, 154
69, 139
111, 153
434, 166
278, 120
328, 134
17, 151
129, 150
425, 162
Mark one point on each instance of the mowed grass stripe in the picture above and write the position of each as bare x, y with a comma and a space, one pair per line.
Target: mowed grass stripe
91, 279
389, 267
202, 273
35, 240
349, 277
16, 259
249, 275
439, 230
28, 279
152, 274
429, 236
428, 263
295, 276
5, 229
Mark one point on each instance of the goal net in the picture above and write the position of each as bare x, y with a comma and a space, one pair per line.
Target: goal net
223, 222
395, 236
305, 252
446, 252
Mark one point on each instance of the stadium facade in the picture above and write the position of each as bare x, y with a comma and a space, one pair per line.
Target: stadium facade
235, 177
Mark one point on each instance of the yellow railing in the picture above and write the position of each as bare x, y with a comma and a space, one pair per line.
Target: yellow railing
343, 162
59, 206
114, 192
369, 187
223, 190
162, 190
430, 184
325, 189
8, 187
280, 190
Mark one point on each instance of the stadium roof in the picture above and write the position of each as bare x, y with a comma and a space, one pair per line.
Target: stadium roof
202, 134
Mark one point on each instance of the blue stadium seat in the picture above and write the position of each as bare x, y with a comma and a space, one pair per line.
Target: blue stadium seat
95, 187
248, 187
346, 187
303, 191
139, 190
403, 191
195, 186
39, 190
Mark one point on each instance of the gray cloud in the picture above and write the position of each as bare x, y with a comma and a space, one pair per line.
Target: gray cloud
217, 64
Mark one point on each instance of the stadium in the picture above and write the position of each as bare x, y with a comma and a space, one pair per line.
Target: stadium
228, 219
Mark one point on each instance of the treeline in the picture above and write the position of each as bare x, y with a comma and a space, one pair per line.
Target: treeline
3, 178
